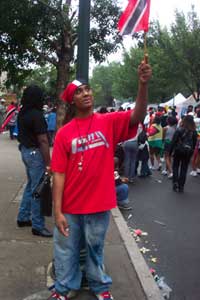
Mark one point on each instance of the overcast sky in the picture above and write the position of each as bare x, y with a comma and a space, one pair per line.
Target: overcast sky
163, 10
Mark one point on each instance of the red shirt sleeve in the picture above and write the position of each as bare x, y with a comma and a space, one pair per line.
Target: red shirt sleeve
121, 125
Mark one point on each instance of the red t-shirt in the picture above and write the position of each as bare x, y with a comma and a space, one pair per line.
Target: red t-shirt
91, 189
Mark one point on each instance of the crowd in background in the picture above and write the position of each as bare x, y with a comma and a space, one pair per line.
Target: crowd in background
151, 149
9, 114
155, 147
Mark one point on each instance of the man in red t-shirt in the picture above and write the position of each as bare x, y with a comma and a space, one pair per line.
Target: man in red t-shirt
83, 184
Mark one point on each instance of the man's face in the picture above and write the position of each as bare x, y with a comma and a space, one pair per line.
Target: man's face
83, 97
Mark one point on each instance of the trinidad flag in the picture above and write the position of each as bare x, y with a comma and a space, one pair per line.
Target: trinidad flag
135, 17
10, 114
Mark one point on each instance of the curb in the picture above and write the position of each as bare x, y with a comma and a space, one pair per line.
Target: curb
150, 288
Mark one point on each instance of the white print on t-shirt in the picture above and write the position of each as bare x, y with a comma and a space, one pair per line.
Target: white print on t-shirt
93, 140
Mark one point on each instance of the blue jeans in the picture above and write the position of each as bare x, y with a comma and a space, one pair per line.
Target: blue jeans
90, 228
145, 171
30, 206
130, 149
122, 193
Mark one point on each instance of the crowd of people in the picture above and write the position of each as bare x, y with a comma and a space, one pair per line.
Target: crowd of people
129, 143
164, 142
9, 115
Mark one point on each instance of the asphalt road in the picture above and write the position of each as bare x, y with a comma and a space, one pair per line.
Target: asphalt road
172, 223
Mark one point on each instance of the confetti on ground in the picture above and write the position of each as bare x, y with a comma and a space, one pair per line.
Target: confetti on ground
158, 222
153, 271
137, 239
129, 217
159, 181
131, 230
144, 233
144, 250
138, 232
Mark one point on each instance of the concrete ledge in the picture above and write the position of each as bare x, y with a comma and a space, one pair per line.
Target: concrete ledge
147, 282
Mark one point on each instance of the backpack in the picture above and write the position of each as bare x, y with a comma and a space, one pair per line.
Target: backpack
185, 143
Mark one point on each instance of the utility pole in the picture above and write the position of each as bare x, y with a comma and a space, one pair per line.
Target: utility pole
83, 40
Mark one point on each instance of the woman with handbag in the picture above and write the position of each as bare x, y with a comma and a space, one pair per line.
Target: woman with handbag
182, 147
34, 148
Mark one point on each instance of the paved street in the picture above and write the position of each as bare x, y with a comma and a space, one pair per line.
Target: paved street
172, 223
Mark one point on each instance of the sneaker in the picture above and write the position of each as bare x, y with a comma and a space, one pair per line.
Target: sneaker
170, 176
164, 172
124, 206
104, 296
43, 232
175, 187
71, 294
153, 168
160, 167
56, 296
198, 171
181, 189
24, 223
193, 173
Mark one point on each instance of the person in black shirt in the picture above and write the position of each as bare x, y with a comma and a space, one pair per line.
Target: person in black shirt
35, 154
182, 146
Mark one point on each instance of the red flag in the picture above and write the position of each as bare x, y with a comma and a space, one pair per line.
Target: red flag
135, 17
8, 117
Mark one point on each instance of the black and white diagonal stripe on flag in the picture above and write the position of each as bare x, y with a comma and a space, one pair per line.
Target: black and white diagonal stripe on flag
135, 17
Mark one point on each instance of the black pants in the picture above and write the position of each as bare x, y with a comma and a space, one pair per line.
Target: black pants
180, 167
11, 131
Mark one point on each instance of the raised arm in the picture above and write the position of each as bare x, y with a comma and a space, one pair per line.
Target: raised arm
139, 112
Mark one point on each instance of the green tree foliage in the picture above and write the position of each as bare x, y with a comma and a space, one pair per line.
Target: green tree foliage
45, 31
45, 77
101, 83
173, 55
185, 49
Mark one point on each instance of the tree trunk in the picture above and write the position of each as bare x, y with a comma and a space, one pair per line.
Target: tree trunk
65, 55
63, 71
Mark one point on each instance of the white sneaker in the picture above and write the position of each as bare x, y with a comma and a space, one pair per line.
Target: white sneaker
104, 296
193, 173
153, 168
170, 176
164, 172
198, 171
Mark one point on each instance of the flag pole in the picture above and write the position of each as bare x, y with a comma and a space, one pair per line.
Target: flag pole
146, 56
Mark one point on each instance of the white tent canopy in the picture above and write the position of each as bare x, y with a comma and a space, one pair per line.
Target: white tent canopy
126, 105
190, 101
177, 101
